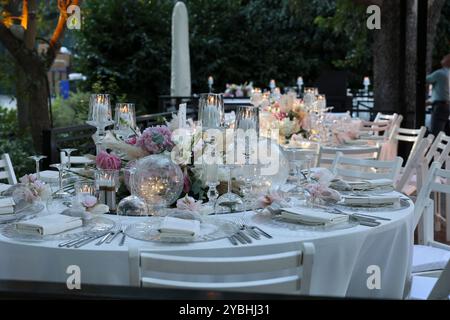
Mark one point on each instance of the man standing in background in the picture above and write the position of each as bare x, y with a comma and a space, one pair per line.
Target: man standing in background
440, 97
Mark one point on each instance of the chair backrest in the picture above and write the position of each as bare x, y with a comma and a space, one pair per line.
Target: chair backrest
412, 166
391, 119
7, 169
411, 135
438, 180
441, 290
77, 160
247, 269
439, 151
328, 154
347, 167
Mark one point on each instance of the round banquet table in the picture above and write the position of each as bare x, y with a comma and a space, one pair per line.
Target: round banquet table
340, 266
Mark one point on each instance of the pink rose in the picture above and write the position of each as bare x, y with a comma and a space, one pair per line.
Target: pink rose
189, 203
131, 140
28, 178
88, 201
268, 199
108, 161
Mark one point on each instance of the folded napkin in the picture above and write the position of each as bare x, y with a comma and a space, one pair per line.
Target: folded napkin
365, 201
312, 217
178, 228
49, 176
46, 225
370, 184
6, 205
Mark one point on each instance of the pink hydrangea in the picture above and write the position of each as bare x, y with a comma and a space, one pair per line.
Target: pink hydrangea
108, 161
156, 140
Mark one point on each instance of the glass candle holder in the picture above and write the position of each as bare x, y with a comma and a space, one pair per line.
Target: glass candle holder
247, 118
85, 188
107, 184
125, 119
211, 112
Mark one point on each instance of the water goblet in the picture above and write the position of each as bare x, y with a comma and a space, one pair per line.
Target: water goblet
37, 159
68, 152
229, 202
60, 193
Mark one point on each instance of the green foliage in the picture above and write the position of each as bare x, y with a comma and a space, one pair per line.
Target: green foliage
129, 42
72, 111
15, 142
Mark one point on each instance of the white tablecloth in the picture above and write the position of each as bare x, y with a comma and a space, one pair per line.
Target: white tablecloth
340, 265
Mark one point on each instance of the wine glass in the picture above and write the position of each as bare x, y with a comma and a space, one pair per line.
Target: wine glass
68, 152
229, 202
125, 119
60, 194
37, 159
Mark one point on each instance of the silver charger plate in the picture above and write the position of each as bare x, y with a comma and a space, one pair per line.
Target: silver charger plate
403, 204
277, 222
21, 212
210, 229
90, 227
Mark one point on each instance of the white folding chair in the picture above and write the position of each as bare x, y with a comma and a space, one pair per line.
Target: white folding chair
413, 136
277, 270
440, 152
382, 123
431, 288
406, 183
328, 154
353, 168
76, 162
7, 169
430, 254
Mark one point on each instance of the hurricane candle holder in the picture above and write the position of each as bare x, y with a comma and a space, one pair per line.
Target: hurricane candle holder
100, 116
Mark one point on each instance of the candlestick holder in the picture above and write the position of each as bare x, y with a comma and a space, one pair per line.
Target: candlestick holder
100, 116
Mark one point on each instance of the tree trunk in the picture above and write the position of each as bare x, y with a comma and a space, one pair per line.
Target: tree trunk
23, 98
434, 15
386, 58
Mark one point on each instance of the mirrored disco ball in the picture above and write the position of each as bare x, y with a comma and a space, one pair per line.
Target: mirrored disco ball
158, 181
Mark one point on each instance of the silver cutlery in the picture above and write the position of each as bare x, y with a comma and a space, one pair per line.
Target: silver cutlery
88, 240
113, 236
238, 237
244, 236
102, 240
122, 241
265, 234
233, 240
362, 215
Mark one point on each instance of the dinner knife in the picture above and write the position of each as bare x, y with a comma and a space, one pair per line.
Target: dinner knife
265, 234
110, 239
104, 238
233, 240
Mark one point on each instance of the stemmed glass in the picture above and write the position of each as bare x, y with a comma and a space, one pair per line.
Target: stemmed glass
37, 159
212, 181
60, 194
100, 116
68, 152
229, 202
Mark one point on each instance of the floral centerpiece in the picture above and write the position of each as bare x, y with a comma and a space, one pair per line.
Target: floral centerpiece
238, 91
287, 115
